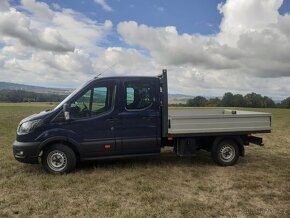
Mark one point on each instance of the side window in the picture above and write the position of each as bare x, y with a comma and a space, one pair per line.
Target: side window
100, 102
95, 101
130, 95
82, 104
139, 95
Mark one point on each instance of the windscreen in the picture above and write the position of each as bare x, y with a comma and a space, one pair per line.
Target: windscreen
71, 95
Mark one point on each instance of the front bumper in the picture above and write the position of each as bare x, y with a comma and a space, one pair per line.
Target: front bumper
26, 152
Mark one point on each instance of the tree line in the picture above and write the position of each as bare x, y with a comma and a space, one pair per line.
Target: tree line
229, 99
27, 96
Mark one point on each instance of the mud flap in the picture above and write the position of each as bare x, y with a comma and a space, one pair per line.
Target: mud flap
255, 140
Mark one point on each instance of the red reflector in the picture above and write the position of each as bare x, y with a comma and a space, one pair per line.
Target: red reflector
107, 146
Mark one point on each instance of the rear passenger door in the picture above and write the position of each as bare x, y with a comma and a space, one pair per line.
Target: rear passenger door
140, 118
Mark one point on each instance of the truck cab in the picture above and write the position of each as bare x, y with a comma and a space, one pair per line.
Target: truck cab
107, 117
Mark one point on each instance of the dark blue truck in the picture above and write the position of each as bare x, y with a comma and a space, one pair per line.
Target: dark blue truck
118, 117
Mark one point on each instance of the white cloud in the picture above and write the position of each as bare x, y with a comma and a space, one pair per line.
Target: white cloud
51, 52
58, 33
104, 5
123, 58
16, 25
108, 24
81, 31
71, 63
40, 9
170, 48
250, 52
49, 69
246, 16
15, 51
252, 46
4, 5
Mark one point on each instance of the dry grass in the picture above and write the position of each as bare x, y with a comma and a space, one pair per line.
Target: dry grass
165, 186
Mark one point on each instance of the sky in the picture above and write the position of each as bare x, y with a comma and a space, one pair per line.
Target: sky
208, 46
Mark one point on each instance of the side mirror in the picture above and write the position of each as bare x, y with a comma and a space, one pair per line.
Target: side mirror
66, 108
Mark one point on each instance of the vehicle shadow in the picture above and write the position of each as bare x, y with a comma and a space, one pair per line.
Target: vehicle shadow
165, 159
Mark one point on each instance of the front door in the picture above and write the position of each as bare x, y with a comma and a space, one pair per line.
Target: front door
91, 120
140, 117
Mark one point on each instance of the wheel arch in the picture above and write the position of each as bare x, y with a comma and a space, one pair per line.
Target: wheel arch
237, 139
60, 140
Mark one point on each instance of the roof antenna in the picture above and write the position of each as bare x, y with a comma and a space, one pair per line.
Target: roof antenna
110, 67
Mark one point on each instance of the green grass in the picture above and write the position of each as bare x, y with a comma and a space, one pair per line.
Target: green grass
165, 186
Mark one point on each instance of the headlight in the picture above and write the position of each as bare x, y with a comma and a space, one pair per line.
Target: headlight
27, 127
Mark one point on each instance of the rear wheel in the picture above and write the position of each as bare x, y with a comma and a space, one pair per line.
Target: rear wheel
226, 153
59, 159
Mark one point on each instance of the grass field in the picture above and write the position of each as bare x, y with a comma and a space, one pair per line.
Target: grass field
165, 186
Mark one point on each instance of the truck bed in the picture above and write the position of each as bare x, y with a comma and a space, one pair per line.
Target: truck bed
209, 121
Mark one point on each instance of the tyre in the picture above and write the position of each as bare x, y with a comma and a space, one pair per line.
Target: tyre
226, 153
59, 159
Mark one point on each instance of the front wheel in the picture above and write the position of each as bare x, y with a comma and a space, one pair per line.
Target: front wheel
226, 153
59, 159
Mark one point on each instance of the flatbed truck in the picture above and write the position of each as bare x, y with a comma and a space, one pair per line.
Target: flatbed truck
117, 117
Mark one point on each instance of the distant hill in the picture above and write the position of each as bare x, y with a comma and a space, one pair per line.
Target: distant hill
180, 96
37, 89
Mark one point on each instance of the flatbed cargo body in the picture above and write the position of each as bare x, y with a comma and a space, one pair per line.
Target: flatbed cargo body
185, 122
